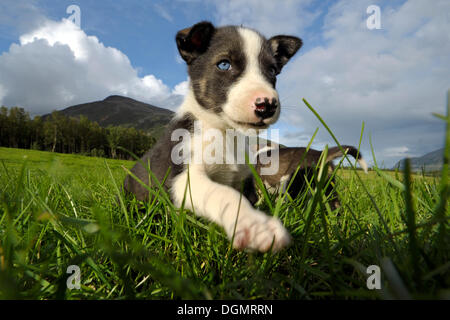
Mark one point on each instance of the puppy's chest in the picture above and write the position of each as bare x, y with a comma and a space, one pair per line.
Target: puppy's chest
228, 166
228, 174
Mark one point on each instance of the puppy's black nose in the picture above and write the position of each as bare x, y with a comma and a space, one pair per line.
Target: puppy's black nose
265, 108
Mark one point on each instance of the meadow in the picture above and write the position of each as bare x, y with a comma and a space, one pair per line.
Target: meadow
58, 210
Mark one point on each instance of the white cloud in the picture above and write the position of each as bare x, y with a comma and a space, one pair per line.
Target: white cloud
181, 88
63, 32
402, 152
156, 88
57, 65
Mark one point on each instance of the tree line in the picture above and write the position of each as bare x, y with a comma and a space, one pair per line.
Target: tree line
58, 133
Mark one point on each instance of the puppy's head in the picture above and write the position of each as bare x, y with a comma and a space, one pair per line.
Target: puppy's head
233, 71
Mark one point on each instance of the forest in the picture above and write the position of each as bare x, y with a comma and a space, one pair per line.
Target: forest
58, 133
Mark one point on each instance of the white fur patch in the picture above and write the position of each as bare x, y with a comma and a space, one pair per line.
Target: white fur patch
284, 182
191, 105
363, 165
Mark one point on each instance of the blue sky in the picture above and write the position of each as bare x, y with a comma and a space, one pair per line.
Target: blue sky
391, 79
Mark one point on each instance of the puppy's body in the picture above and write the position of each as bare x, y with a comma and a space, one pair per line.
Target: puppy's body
289, 161
232, 74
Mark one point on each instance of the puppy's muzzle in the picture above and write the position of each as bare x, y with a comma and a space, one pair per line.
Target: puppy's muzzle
265, 108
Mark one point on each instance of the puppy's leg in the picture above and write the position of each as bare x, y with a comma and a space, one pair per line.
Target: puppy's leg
249, 190
252, 229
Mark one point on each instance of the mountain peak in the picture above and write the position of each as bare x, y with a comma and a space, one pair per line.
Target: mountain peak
116, 98
122, 111
431, 161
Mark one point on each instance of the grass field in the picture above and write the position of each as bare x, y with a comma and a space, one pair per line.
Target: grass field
59, 210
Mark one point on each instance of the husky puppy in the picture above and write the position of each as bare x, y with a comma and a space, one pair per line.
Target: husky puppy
290, 158
232, 72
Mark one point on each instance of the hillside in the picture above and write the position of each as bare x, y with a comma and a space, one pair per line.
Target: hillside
122, 111
432, 161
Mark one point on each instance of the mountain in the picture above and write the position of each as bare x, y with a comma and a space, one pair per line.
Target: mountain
122, 111
432, 161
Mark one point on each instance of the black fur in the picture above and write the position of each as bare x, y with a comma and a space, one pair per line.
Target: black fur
194, 41
249, 190
283, 48
160, 161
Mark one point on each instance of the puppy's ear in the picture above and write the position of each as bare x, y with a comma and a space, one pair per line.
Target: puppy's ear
284, 47
194, 41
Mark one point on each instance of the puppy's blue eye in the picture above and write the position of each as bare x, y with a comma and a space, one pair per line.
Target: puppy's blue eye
224, 65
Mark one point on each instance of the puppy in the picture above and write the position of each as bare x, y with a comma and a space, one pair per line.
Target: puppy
291, 158
232, 72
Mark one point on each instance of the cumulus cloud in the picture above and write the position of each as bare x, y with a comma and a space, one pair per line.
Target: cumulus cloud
58, 64
181, 88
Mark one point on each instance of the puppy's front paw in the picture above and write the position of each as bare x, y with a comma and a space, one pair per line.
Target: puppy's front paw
258, 232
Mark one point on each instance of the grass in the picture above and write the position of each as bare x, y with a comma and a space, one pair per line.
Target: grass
59, 210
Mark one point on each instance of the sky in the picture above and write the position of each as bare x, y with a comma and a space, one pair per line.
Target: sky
389, 79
